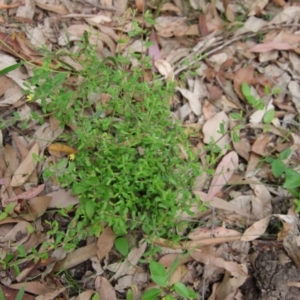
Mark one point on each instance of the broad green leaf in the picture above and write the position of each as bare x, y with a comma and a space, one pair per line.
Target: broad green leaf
181, 289
90, 209
285, 154
121, 245
269, 116
10, 68
292, 179
278, 167
151, 294
158, 273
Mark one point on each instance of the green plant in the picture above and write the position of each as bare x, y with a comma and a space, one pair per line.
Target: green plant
289, 178
161, 277
129, 171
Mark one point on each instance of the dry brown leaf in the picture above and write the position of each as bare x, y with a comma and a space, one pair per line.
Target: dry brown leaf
62, 199
223, 173
140, 5
290, 223
211, 130
164, 68
243, 75
256, 230
243, 148
59, 9
44, 136
34, 287
229, 285
28, 194
171, 7
26, 167
51, 295
105, 242
76, 257
206, 255
260, 145
36, 207
286, 16
86, 295
257, 6
11, 158
261, 203
170, 26
5, 84
178, 275
193, 99
203, 233
220, 203
130, 261
168, 259
266, 47
59, 147
104, 288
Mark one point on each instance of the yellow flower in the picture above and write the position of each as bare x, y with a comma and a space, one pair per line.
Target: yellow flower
30, 97
72, 156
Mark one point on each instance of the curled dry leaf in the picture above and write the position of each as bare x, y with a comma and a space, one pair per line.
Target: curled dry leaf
229, 285
26, 167
164, 68
256, 230
193, 99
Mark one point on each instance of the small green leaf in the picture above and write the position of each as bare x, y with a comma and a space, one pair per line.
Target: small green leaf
181, 289
20, 293
169, 297
235, 137
151, 294
235, 116
22, 251
246, 90
278, 167
267, 90
129, 295
96, 297
269, 116
10, 68
158, 273
3, 216
121, 245
90, 209
285, 154
1, 294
